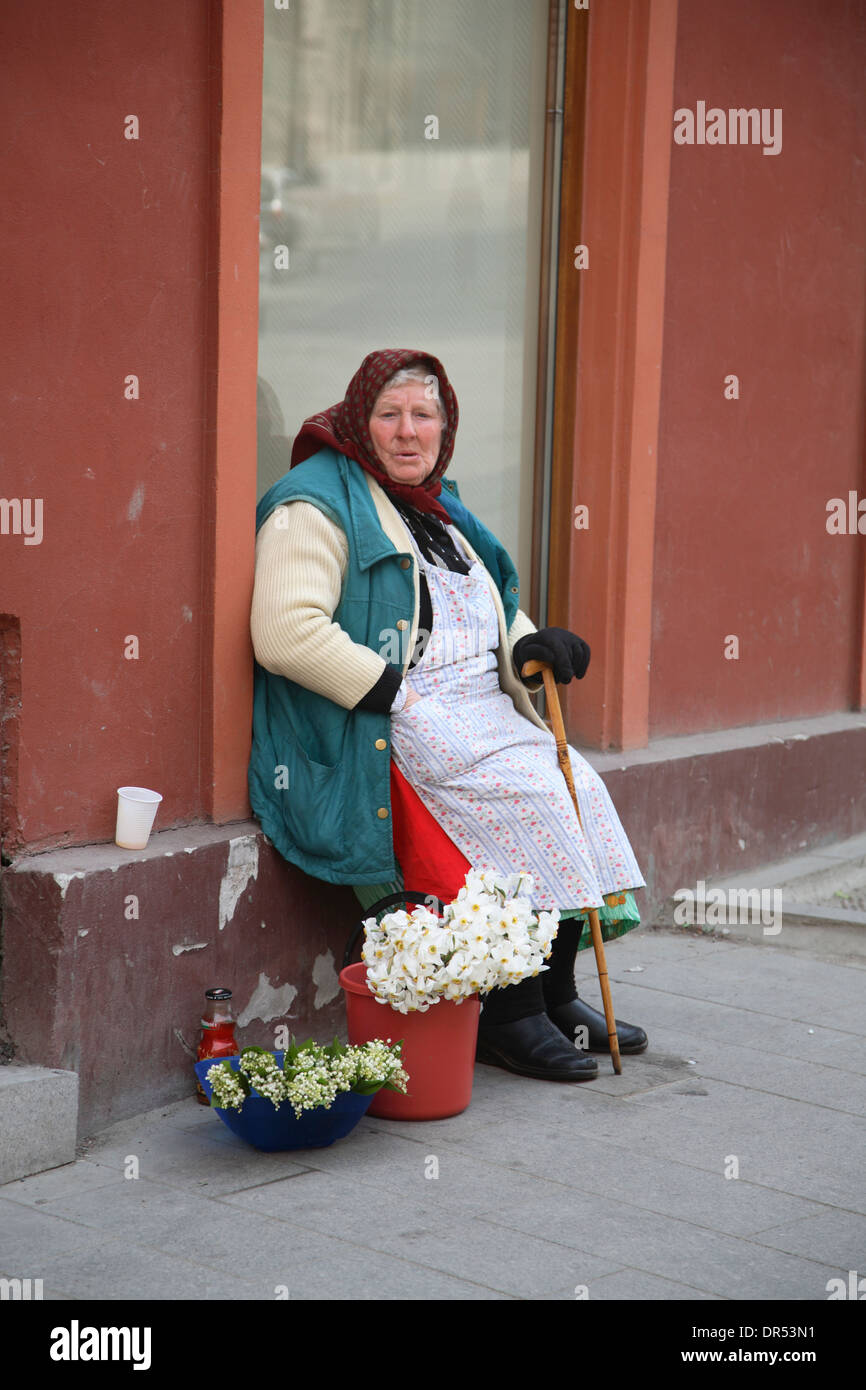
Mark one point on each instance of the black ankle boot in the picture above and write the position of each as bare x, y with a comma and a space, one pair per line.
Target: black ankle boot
535, 1047
569, 1017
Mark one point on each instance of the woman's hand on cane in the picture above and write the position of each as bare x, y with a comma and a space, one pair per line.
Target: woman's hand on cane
564, 651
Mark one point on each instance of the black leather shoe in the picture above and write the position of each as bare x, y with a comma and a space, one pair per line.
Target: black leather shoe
569, 1017
533, 1047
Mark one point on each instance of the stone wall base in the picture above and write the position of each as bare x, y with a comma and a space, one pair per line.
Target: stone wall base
107, 954
719, 804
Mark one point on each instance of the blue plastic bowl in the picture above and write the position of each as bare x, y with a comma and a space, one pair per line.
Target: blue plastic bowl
273, 1128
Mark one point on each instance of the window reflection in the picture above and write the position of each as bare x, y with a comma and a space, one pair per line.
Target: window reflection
375, 235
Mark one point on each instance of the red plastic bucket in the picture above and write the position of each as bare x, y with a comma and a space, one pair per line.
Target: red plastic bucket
438, 1049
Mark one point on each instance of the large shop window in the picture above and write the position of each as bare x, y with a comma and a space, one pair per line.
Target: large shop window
375, 234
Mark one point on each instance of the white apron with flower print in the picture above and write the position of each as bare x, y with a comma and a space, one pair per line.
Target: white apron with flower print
489, 776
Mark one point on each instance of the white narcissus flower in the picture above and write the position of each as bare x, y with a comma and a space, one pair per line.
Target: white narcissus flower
431, 950
376, 953
475, 910
548, 924
423, 917
456, 965
462, 920
505, 954
477, 945
489, 936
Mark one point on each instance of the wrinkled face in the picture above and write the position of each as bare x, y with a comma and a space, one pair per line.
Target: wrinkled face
406, 429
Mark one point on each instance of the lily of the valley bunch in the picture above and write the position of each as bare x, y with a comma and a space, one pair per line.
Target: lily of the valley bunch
310, 1075
488, 937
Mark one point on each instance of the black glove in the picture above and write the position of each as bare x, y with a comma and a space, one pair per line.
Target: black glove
566, 653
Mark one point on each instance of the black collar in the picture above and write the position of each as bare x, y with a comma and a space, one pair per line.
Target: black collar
432, 538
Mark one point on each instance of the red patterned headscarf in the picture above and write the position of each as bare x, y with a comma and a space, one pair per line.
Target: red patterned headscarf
345, 427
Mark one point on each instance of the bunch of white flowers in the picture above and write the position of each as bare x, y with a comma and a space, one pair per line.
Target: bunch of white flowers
488, 937
310, 1076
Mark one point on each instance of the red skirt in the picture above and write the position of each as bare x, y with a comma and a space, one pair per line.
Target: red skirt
429, 859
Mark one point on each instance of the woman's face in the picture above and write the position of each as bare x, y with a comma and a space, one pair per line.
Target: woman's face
406, 430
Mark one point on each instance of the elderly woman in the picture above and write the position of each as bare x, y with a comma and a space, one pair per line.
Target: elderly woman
389, 643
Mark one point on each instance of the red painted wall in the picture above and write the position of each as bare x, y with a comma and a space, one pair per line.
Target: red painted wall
103, 250
765, 279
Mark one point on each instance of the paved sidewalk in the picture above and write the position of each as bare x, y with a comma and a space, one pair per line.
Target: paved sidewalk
757, 1061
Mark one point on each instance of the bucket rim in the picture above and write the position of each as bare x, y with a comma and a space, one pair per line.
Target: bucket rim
353, 979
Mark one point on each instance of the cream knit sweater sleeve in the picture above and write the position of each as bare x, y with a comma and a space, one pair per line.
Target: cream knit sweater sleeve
521, 627
301, 560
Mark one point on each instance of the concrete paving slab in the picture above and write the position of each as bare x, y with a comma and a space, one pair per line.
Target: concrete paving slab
834, 1050
275, 1254
69, 1181
257, 1247
517, 1262
836, 1237
709, 1022
793, 1159
188, 1114
733, 974
657, 950
31, 1239
360, 1275
141, 1211
818, 1084
523, 1102
635, 1285
644, 1181
723, 1104
646, 1071
195, 1159
115, 1269
817, 1052
676, 1250
620, 1179
741, 964
329, 1202
466, 1184
48, 1294
835, 937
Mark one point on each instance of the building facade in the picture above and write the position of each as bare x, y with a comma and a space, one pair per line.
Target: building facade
633, 232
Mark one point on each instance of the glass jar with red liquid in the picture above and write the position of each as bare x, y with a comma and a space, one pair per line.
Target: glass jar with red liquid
217, 1032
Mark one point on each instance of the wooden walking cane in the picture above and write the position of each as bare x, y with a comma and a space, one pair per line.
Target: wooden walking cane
530, 668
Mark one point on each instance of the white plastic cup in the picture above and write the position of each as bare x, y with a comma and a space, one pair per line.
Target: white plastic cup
136, 812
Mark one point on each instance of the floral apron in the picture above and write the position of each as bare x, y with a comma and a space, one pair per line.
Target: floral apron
491, 777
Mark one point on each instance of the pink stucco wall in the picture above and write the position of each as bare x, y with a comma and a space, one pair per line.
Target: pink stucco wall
766, 274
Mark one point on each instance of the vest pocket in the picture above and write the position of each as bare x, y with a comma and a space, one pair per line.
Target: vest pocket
313, 805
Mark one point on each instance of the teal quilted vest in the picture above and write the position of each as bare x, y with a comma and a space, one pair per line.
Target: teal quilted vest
317, 781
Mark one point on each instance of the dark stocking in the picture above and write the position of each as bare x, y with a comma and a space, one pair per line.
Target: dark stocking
512, 1002
558, 981
540, 992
